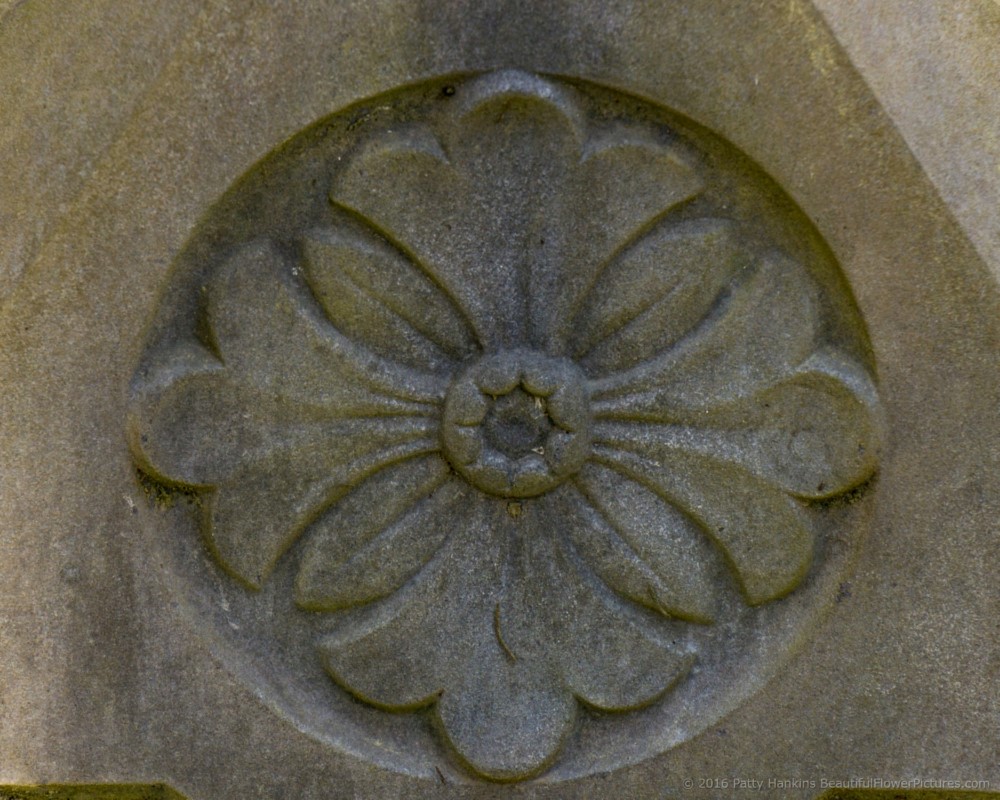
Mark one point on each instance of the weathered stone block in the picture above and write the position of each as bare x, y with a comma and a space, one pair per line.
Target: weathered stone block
451, 399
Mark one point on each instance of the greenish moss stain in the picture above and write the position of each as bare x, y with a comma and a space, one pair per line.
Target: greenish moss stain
162, 496
120, 791
850, 497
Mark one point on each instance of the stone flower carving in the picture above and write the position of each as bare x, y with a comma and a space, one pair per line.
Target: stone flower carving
521, 403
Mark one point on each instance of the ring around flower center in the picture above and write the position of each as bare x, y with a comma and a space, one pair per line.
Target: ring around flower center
517, 424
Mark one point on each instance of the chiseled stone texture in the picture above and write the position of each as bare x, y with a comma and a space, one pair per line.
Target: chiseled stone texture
130, 654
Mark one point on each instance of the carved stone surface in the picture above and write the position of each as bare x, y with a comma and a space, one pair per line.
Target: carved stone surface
544, 395
486, 400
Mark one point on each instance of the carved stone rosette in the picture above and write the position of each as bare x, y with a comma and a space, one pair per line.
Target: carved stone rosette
541, 395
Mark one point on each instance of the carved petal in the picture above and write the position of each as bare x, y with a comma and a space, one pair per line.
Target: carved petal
815, 434
504, 642
610, 557
517, 140
518, 143
272, 471
634, 529
270, 474
759, 333
512, 142
562, 615
379, 536
376, 295
402, 185
392, 654
196, 423
282, 421
269, 331
492, 92
655, 292
264, 502
401, 652
255, 515
187, 424
623, 184
507, 720
762, 532
437, 638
